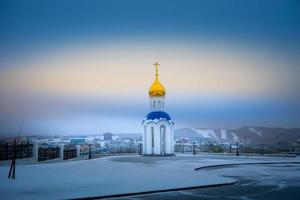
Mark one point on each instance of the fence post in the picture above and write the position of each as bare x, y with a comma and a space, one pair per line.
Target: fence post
77, 151
90, 151
194, 148
61, 152
6, 156
21, 151
27, 149
237, 149
35, 150
140, 149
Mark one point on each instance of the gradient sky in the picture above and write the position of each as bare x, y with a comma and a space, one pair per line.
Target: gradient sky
84, 67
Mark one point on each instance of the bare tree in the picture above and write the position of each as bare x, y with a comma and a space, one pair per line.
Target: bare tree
12, 170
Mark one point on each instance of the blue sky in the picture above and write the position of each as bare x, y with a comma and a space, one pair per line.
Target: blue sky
84, 67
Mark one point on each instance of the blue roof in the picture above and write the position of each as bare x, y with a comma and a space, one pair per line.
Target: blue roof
158, 115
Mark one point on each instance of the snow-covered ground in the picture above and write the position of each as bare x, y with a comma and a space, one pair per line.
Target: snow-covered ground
255, 182
115, 175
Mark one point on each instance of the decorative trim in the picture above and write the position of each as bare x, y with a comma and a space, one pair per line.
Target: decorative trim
156, 121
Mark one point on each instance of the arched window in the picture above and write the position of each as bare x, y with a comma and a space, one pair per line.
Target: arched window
162, 139
152, 137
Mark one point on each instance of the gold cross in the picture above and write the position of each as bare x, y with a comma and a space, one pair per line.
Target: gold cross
156, 69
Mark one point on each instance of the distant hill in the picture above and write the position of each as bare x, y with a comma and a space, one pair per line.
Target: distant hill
246, 135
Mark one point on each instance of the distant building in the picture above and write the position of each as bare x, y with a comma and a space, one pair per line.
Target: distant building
77, 141
108, 136
115, 137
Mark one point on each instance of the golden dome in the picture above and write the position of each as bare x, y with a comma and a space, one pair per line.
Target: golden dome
157, 89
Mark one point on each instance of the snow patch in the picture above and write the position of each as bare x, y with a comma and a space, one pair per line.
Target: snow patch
235, 137
223, 134
253, 130
207, 133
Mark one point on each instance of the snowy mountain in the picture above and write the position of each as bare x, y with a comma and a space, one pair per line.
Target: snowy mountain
246, 135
